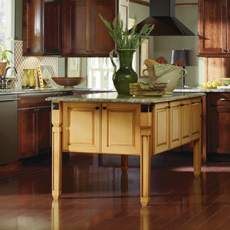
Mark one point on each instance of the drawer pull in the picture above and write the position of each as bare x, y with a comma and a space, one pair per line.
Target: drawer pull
224, 51
97, 108
182, 104
195, 103
225, 99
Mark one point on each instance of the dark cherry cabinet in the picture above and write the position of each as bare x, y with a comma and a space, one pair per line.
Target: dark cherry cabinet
41, 27
84, 34
214, 20
34, 122
32, 27
219, 123
52, 27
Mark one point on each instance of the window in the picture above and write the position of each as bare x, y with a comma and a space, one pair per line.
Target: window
7, 12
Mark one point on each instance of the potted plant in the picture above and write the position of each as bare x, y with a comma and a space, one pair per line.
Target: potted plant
4, 58
127, 41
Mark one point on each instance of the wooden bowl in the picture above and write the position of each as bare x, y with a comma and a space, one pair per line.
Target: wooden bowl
68, 81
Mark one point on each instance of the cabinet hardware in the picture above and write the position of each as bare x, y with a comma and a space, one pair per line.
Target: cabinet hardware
182, 104
213, 109
168, 107
194, 103
97, 107
225, 99
224, 51
104, 108
87, 51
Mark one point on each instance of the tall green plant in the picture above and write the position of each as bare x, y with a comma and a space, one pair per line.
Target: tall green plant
124, 38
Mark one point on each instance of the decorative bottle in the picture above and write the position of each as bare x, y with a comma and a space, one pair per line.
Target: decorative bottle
25, 79
31, 79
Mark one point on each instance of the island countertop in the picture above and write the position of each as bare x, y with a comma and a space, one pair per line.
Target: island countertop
114, 97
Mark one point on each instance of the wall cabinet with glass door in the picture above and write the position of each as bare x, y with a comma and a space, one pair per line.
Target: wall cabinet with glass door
214, 28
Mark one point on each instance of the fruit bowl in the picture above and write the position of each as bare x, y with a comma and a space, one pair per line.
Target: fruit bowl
68, 82
226, 80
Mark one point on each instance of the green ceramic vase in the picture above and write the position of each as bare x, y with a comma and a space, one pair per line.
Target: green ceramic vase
125, 74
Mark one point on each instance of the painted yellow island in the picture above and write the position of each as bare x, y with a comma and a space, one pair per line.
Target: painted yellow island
110, 124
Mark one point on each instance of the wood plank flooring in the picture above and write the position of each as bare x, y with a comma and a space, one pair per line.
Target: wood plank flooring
97, 196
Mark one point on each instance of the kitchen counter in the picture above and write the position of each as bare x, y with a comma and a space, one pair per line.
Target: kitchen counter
198, 90
49, 90
114, 97
108, 123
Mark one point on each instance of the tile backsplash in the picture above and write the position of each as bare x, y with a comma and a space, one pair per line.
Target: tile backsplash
25, 62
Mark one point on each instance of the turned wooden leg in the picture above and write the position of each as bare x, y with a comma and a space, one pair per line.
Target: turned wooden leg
145, 171
55, 215
197, 157
56, 150
124, 163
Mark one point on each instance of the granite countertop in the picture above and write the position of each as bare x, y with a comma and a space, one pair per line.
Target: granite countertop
114, 97
199, 90
48, 90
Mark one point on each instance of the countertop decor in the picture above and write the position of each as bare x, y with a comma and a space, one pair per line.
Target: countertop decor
127, 41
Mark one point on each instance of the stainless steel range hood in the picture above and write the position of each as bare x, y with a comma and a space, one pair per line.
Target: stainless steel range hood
162, 16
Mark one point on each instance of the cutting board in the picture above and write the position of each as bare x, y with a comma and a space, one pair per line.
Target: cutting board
202, 87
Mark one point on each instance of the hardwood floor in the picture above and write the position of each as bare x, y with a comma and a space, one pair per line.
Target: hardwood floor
97, 196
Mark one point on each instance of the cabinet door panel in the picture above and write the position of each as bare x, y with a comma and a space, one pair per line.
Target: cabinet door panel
27, 133
32, 27
52, 27
121, 128
43, 123
175, 124
220, 126
161, 128
102, 42
212, 21
186, 121
81, 127
76, 32
196, 118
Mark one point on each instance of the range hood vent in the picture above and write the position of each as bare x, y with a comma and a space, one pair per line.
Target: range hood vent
162, 16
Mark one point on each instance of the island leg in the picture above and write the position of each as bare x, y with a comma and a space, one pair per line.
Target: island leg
56, 150
124, 163
197, 157
145, 168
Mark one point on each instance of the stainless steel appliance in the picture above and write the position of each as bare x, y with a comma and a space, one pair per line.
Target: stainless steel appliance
8, 129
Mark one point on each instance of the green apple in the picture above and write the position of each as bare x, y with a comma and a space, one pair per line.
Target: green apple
205, 84
209, 84
214, 83
220, 83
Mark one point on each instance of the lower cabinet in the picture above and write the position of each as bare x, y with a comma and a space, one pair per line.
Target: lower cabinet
218, 127
115, 127
175, 124
34, 125
85, 123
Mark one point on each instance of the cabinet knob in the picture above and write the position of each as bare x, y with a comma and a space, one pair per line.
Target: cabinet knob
224, 51
97, 108
169, 107
181, 104
104, 108
213, 109
87, 51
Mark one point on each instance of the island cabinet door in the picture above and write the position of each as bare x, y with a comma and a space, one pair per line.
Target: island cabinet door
185, 121
175, 124
121, 128
81, 127
195, 118
161, 128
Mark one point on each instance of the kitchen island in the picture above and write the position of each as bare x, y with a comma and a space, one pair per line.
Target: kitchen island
108, 123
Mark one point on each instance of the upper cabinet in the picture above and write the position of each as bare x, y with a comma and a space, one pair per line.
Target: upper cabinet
32, 27
214, 16
69, 27
41, 27
84, 33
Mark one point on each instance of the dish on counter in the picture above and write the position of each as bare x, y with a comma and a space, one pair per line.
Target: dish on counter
68, 81
225, 80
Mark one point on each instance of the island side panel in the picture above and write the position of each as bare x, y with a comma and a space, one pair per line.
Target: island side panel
56, 149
